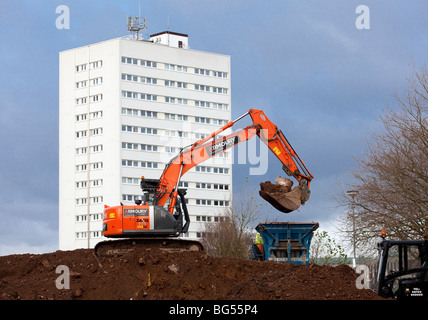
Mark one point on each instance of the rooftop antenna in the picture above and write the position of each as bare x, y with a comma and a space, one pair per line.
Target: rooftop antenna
168, 29
136, 24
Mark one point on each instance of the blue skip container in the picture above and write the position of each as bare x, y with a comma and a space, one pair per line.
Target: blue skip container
285, 241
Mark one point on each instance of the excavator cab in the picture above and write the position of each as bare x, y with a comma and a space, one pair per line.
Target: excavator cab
403, 269
148, 187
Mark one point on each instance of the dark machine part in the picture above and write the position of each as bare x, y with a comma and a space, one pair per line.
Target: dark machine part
115, 248
403, 269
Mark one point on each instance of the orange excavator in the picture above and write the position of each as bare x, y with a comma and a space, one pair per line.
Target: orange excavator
162, 216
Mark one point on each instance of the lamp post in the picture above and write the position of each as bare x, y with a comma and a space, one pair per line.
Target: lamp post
353, 194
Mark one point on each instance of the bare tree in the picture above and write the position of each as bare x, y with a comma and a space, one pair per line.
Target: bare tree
232, 234
392, 178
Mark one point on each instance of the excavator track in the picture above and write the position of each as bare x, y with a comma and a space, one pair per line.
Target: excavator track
115, 248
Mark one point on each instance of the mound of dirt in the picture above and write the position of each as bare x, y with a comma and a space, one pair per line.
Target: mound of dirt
159, 275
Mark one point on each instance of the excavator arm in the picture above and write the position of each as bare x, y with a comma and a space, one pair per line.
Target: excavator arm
211, 146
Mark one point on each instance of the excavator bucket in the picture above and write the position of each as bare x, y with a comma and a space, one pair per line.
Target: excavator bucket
281, 195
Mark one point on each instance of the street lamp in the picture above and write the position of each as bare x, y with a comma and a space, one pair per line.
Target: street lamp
353, 194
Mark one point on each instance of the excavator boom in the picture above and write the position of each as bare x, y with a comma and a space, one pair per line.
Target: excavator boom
210, 147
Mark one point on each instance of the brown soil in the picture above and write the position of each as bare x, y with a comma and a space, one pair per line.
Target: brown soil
158, 275
270, 187
280, 196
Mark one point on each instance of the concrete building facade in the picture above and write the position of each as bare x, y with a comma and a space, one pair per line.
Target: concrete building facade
126, 107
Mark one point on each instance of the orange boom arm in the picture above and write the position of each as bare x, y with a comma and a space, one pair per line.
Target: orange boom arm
210, 146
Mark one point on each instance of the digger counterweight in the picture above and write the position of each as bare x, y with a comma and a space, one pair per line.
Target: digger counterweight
128, 221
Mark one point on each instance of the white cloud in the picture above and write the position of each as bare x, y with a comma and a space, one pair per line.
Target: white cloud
23, 248
334, 33
29, 227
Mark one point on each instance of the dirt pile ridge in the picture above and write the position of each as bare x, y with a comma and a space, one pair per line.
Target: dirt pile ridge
159, 275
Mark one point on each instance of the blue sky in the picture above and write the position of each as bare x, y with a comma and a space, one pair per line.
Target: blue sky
305, 63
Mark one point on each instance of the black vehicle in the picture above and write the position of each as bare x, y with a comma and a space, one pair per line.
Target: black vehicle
403, 269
